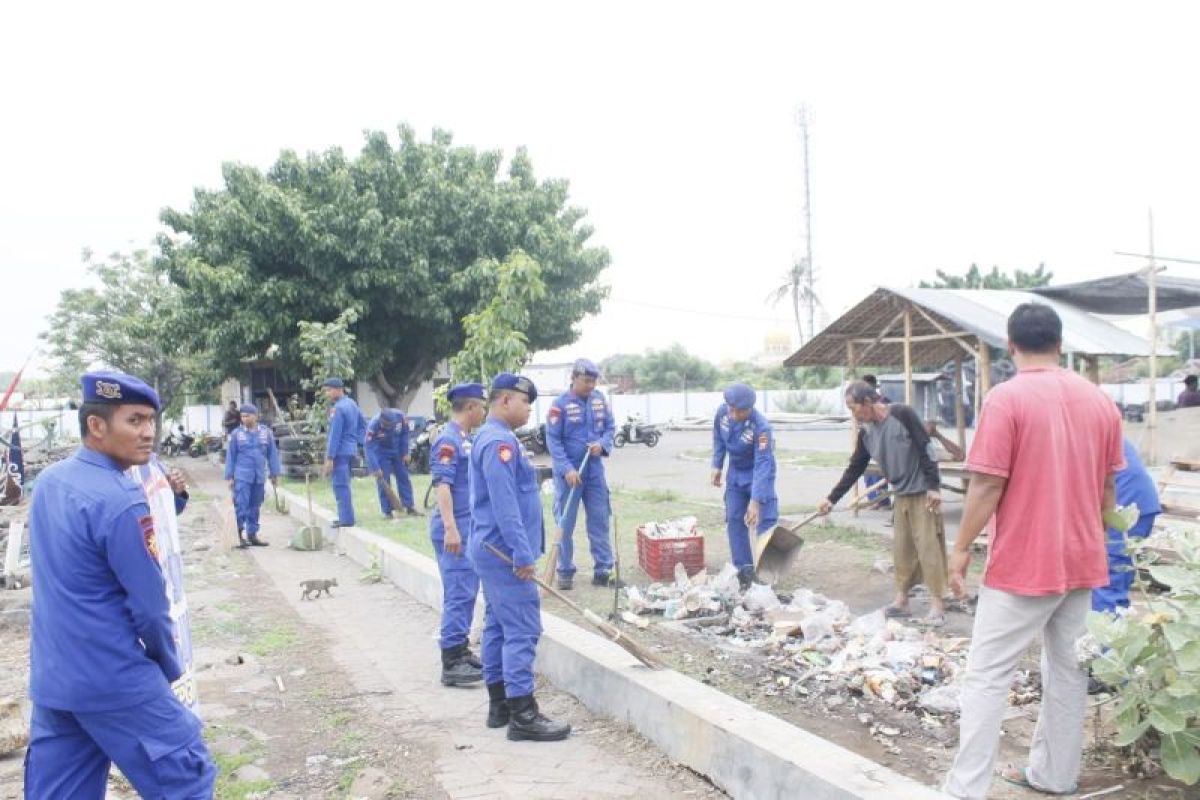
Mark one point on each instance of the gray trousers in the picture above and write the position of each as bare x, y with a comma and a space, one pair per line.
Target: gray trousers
1005, 625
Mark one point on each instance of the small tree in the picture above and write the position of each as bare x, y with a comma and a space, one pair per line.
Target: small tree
327, 349
974, 279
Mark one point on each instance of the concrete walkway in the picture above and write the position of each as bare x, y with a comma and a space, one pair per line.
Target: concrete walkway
387, 642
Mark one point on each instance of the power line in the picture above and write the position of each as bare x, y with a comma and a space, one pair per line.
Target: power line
697, 312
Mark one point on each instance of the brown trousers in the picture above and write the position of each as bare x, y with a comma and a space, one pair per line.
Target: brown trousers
919, 545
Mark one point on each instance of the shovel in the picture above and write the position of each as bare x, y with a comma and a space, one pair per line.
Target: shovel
775, 552
552, 553
310, 536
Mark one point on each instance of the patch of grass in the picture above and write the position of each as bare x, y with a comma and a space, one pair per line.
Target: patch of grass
824, 459
228, 787
340, 719
658, 496
272, 641
349, 775
350, 740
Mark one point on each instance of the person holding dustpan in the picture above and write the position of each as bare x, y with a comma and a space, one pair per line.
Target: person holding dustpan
896, 438
743, 434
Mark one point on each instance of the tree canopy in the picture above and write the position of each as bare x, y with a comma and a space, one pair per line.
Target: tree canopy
401, 234
975, 279
131, 322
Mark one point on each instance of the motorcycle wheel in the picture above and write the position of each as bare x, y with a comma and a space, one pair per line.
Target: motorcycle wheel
652, 439
619, 440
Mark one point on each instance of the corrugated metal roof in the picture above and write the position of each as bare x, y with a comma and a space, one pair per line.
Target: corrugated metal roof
981, 313
1127, 294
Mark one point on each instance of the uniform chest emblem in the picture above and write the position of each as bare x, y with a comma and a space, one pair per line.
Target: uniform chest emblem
466, 445
747, 436
725, 424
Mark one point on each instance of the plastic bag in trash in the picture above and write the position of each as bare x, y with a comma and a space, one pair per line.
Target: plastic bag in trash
760, 597
816, 626
941, 699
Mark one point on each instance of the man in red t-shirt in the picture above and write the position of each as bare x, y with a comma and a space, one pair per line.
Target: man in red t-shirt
1042, 464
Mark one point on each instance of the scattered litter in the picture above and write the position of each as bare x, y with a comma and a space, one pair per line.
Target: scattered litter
279, 683
671, 529
235, 660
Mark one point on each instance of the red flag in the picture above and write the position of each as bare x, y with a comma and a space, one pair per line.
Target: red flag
12, 387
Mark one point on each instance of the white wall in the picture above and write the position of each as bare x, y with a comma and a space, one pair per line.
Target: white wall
662, 407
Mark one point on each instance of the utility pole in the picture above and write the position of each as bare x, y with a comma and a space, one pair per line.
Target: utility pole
811, 298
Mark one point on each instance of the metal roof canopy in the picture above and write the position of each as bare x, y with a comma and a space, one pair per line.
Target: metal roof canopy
1126, 294
949, 322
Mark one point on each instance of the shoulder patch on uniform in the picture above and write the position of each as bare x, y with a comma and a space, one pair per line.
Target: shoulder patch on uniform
146, 523
505, 452
555, 413
446, 453
763, 441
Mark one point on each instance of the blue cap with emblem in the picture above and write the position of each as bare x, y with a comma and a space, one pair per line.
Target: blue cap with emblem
248, 408
583, 366
117, 388
518, 383
465, 391
391, 415
333, 383
739, 395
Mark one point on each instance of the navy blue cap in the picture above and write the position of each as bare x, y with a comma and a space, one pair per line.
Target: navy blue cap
466, 391
391, 415
518, 383
117, 388
739, 395
248, 408
583, 366
333, 383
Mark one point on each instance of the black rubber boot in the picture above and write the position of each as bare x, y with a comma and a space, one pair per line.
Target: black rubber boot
412, 512
455, 669
746, 577
566, 582
471, 658
242, 543
604, 579
497, 706
527, 723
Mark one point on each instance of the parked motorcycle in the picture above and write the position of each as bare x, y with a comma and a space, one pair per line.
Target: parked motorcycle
533, 439
419, 450
175, 444
629, 433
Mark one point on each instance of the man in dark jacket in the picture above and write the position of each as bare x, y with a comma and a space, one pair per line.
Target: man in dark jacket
894, 436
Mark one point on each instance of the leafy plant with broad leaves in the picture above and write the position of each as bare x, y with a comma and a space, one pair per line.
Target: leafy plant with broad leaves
1152, 658
327, 350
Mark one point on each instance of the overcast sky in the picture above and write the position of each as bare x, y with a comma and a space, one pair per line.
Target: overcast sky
941, 134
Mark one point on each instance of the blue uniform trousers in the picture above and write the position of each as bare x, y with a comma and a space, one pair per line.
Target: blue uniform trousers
247, 500
512, 626
460, 587
594, 496
394, 465
1120, 568
341, 489
737, 500
157, 746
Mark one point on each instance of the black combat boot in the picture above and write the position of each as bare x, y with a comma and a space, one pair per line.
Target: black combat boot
497, 706
471, 658
604, 579
242, 543
528, 724
566, 582
455, 669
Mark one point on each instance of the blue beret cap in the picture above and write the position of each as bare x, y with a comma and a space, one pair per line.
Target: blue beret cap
248, 408
465, 391
739, 395
391, 415
583, 366
117, 388
518, 383
333, 383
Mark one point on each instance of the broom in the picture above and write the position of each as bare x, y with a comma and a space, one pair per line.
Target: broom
633, 648
552, 554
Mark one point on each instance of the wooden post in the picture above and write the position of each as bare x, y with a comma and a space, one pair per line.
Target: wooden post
985, 370
908, 374
960, 417
979, 348
852, 367
1093, 368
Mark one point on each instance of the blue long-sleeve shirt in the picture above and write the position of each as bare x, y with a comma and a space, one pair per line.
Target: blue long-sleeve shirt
347, 428
506, 508
385, 439
102, 635
572, 424
750, 446
450, 465
253, 455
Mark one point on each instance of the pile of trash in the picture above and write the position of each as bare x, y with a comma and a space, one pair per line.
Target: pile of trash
814, 645
681, 528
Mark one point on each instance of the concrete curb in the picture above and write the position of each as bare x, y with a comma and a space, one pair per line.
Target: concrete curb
746, 752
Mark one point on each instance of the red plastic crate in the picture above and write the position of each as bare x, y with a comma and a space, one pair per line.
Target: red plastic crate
658, 557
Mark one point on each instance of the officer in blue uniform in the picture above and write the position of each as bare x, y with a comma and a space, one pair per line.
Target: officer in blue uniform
744, 434
347, 430
450, 530
1134, 485
580, 421
103, 647
506, 513
387, 455
252, 458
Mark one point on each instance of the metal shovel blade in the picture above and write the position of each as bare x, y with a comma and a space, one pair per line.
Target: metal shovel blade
777, 549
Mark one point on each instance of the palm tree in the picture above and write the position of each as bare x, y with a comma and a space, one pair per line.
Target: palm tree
798, 283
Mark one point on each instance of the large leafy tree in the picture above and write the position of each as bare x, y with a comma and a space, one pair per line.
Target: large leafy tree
397, 233
130, 321
975, 279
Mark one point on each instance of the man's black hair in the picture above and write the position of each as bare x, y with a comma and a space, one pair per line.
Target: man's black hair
1035, 328
102, 410
862, 392
460, 404
1190, 380
871, 379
